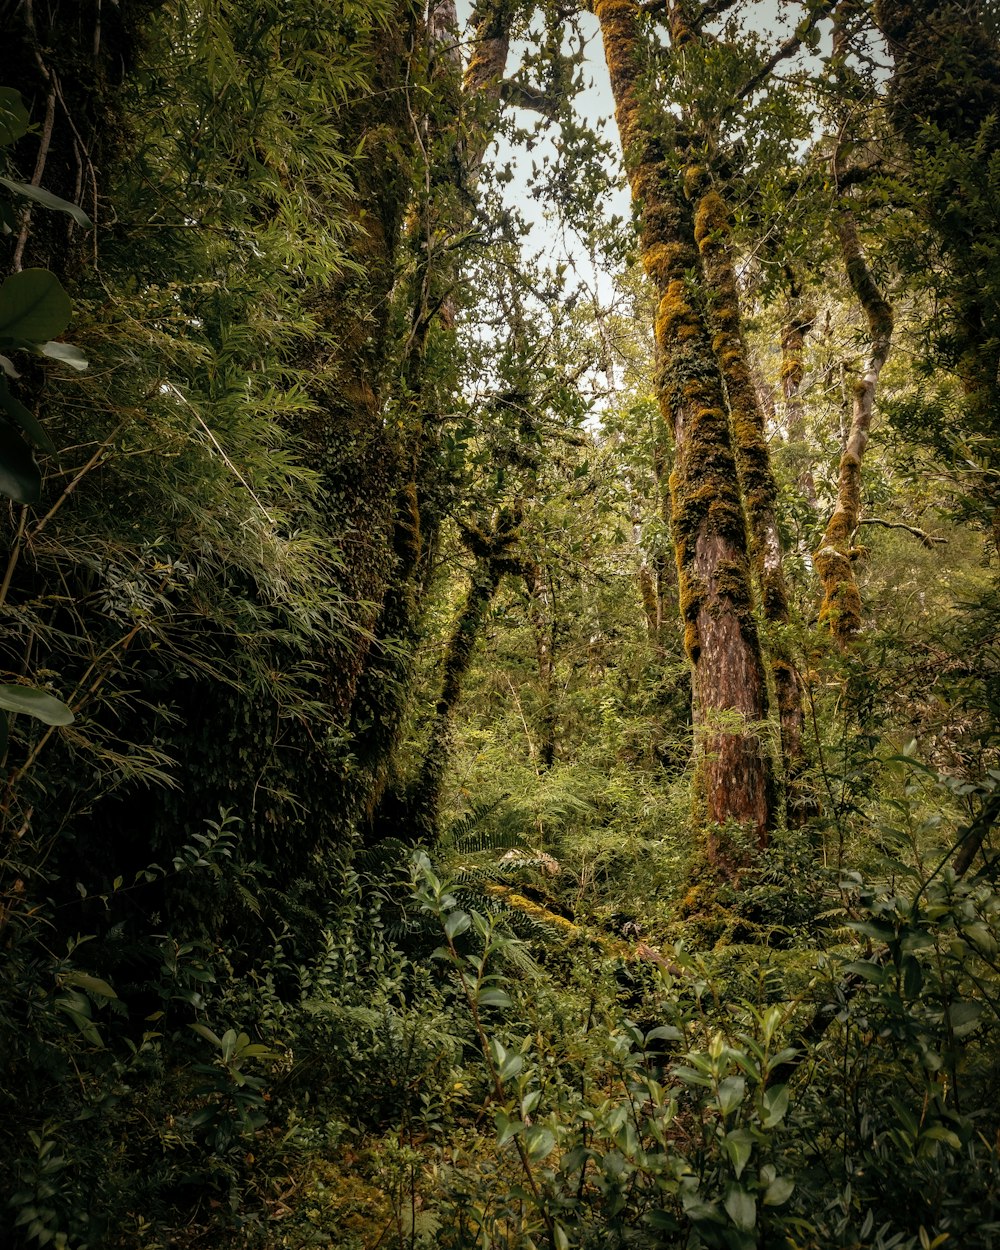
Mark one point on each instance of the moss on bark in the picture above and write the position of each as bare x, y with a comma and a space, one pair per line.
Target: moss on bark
707, 521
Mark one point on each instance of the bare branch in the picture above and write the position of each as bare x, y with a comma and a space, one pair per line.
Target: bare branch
928, 540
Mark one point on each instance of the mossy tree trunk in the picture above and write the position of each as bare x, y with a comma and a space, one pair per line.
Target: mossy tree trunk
798, 323
451, 138
841, 607
734, 769
944, 103
759, 485
496, 556
346, 437
542, 616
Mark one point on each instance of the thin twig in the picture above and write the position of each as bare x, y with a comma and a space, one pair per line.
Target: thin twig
15, 553
36, 178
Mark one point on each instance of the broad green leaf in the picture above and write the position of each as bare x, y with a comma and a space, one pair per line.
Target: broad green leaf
539, 1142
731, 1093
492, 997
511, 1066
938, 1132
14, 118
92, 985
964, 1016
457, 922
204, 1031
875, 974
47, 200
24, 417
37, 703
739, 1147
20, 478
66, 353
664, 1033
913, 976
507, 1127
778, 1192
775, 1105
741, 1208
33, 306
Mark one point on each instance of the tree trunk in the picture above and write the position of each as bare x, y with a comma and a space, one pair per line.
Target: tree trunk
734, 773
543, 626
494, 559
452, 141
944, 101
799, 320
757, 480
834, 560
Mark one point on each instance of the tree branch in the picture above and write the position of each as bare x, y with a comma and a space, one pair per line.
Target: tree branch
922, 536
788, 48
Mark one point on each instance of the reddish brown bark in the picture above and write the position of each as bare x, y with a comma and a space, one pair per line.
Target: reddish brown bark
734, 779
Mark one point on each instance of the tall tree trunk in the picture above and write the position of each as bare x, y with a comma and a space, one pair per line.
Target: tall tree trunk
543, 625
834, 560
799, 320
944, 102
734, 772
452, 140
753, 460
495, 557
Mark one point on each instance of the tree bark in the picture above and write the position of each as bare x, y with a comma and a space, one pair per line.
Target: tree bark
494, 558
734, 772
757, 480
834, 559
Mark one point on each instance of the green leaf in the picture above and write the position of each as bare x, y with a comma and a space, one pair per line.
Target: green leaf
875, 974
937, 1132
491, 997
778, 1192
20, 478
775, 1105
731, 1093
66, 353
511, 1066
204, 1031
23, 417
33, 306
741, 1208
963, 1016
913, 976
92, 985
507, 1127
664, 1033
539, 1142
37, 703
14, 118
47, 200
456, 922
739, 1147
